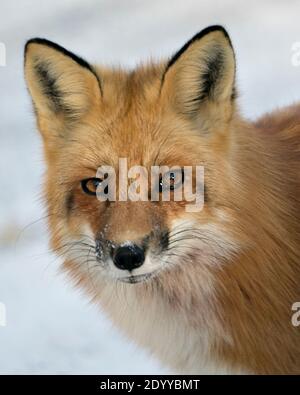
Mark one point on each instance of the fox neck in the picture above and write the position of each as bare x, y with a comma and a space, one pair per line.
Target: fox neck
252, 286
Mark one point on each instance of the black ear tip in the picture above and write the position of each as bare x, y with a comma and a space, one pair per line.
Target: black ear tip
214, 28
196, 37
58, 48
36, 40
211, 29
42, 41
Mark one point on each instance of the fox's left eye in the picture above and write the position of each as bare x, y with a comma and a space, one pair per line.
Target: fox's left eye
90, 185
171, 180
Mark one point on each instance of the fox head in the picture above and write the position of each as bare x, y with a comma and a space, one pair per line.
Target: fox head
175, 113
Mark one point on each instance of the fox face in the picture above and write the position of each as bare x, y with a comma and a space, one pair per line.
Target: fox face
176, 114
152, 177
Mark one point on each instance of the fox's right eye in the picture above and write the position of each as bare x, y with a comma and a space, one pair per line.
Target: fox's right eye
90, 185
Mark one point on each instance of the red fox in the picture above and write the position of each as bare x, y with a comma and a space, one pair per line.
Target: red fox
205, 291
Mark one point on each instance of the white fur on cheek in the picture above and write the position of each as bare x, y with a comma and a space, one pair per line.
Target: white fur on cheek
206, 243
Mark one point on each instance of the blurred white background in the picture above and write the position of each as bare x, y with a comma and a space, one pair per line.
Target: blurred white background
51, 327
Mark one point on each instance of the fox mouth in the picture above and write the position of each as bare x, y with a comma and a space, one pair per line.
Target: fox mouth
136, 279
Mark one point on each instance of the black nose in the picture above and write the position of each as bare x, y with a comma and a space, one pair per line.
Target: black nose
128, 257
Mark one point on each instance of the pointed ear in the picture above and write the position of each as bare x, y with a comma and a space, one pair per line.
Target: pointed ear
63, 86
201, 74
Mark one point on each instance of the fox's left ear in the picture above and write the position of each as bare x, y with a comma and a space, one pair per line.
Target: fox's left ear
201, 75
63, 86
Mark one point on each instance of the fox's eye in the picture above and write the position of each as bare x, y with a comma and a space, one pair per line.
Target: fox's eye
90, 185
171, 180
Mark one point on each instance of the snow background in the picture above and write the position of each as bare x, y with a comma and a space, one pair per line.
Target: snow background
51, 327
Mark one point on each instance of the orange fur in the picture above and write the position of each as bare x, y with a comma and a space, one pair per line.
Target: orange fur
234, 293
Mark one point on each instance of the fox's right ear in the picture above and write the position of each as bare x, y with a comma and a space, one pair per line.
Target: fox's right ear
63, 86
199, 80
